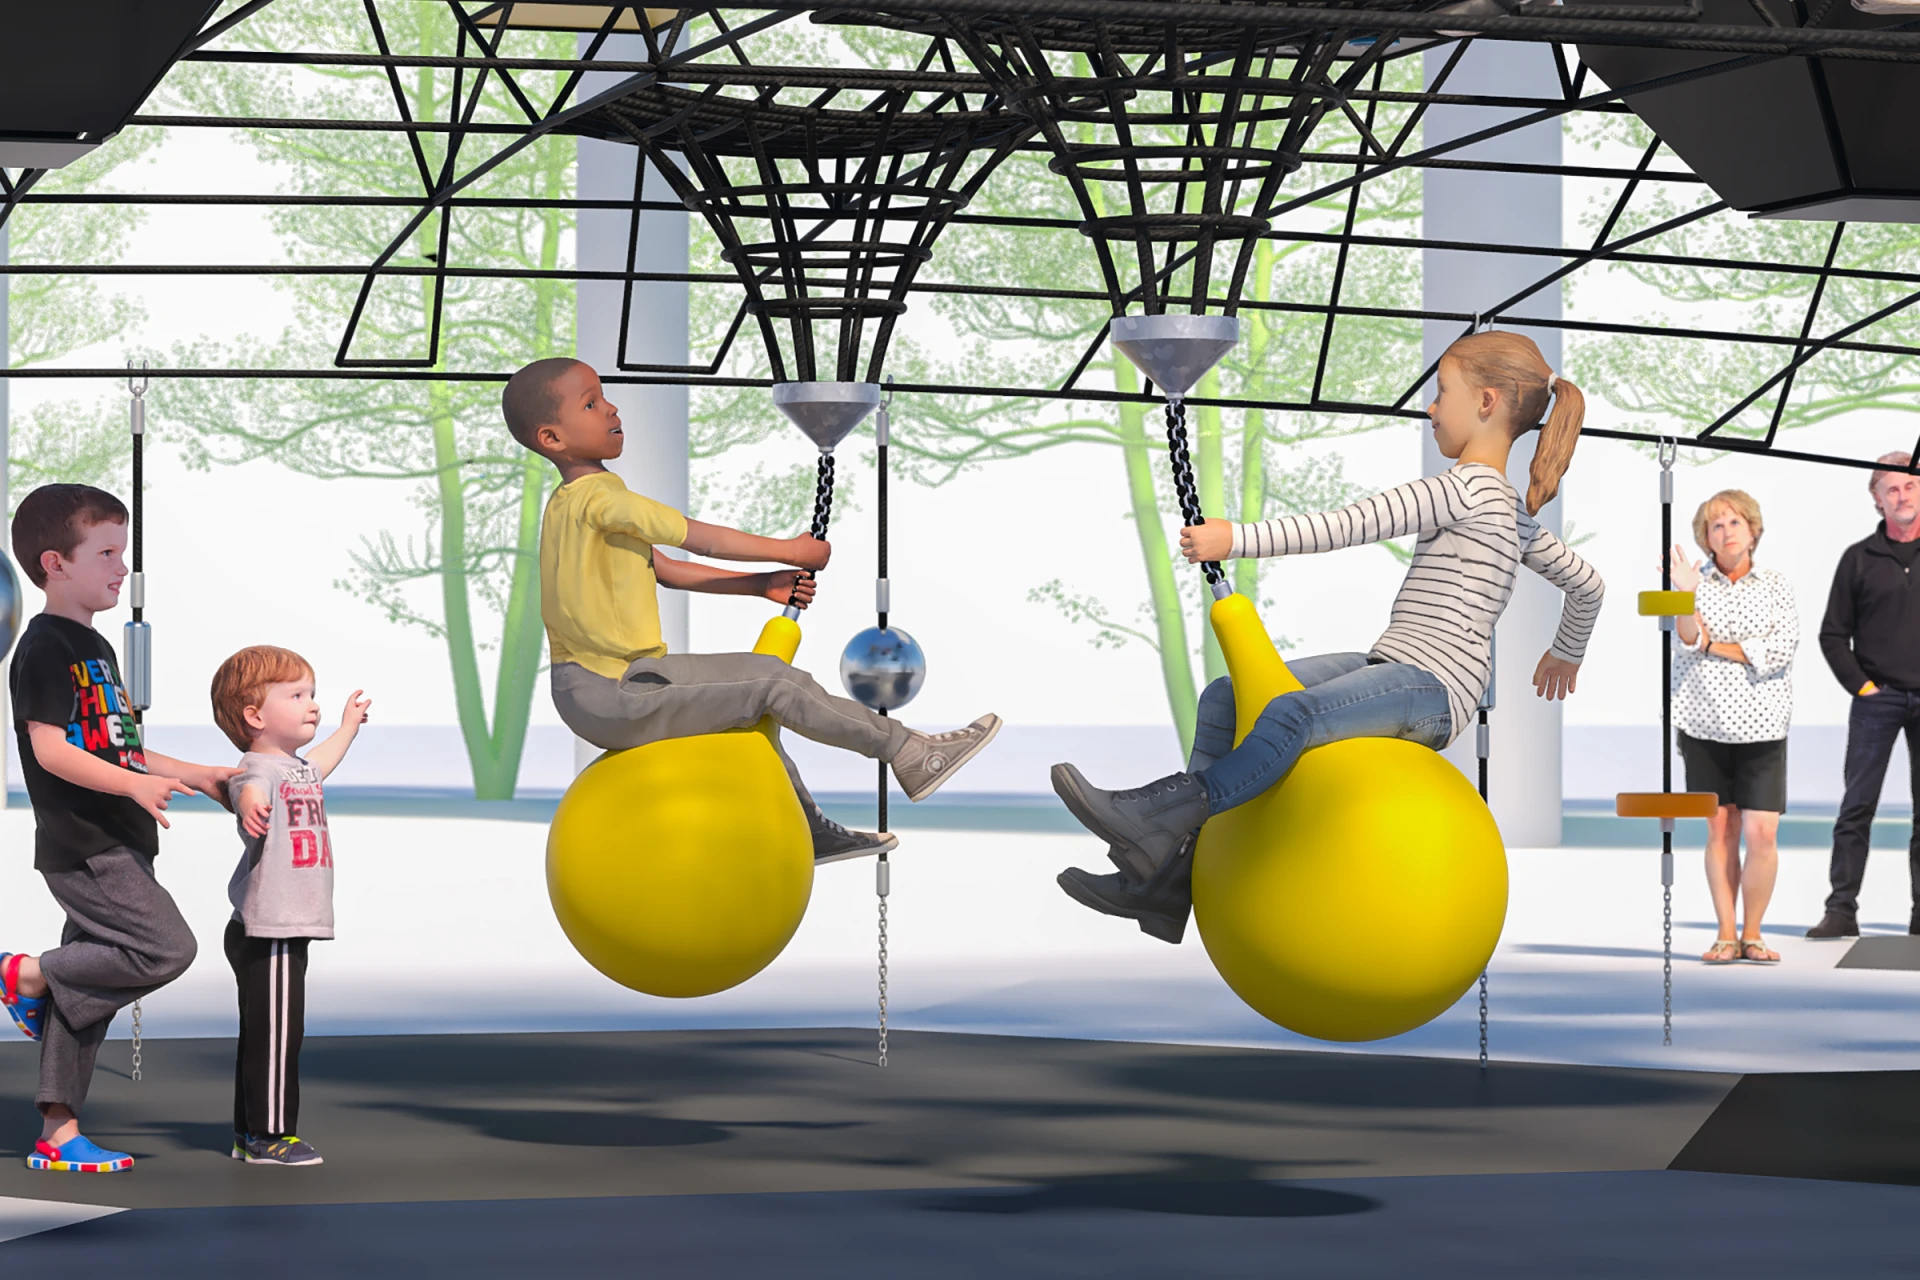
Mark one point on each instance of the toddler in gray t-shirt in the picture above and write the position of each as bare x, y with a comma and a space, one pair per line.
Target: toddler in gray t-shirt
282, 891
283, 887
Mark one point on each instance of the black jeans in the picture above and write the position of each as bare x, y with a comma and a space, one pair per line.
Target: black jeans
1872, 724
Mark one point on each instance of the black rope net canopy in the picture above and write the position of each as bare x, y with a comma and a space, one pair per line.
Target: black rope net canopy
828, 184
826, 189
1163, 127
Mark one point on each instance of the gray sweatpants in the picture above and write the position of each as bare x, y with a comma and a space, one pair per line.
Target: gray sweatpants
124, 938
685, 694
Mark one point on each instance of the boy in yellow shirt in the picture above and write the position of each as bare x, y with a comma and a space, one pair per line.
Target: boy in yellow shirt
614, 683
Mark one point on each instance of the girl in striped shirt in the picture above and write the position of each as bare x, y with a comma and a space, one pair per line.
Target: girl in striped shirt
1424, 676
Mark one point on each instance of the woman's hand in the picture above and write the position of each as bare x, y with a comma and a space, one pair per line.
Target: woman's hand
1209, 540
787, 584
1685, 576
1555, 678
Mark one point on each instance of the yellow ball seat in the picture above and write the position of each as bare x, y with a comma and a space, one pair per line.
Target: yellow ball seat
683, 868
1362, 895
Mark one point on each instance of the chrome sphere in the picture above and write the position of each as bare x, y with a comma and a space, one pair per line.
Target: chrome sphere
10, 608
883, 668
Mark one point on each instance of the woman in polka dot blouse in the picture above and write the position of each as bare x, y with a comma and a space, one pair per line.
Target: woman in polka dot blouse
1732, 701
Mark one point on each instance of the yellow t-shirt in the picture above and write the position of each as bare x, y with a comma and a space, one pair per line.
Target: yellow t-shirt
597, 588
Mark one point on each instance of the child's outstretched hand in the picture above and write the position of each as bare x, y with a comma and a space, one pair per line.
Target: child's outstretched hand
808, 552
790, 585
255, 811
152, 791
1209, 540
356, 713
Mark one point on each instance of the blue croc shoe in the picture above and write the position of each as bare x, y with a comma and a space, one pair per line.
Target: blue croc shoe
77, 1155
29, 1013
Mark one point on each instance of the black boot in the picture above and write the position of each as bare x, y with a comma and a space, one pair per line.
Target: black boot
1834, 925
1146, 826
1161, 908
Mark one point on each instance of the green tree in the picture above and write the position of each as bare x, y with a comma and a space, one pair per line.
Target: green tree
1249, 464
49, 317
468, 570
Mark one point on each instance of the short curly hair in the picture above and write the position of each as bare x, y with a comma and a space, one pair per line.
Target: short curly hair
1738, 501
529, 400
242, 681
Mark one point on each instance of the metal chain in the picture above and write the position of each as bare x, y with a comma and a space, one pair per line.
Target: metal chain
1483, 742
1668, 452
1666, 964
883, 981
1483, 1021
1184, 488
138, 418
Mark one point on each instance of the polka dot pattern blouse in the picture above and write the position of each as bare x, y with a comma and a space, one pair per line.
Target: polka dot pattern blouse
1716, 699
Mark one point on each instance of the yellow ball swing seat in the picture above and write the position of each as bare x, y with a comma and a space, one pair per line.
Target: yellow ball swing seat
682, 868
1360, 896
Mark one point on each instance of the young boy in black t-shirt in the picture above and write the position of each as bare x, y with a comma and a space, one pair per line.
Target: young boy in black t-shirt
97, 795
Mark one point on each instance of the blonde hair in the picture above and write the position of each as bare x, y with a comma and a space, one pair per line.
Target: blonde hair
1738, 501
1511, 363
242, 681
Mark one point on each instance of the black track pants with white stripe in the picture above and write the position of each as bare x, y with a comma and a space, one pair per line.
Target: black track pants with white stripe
272, 973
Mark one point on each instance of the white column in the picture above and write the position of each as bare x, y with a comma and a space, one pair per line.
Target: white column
1523, 783
6, 717
654, 461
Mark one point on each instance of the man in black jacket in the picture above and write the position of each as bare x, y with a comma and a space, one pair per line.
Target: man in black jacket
1871, 637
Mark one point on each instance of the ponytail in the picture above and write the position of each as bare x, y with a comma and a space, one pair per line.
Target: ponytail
1512, 363
1558, 435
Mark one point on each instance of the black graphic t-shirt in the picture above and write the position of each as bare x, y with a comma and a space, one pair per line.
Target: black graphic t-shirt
64, 673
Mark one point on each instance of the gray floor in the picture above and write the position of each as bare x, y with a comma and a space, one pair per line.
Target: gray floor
1897, 952
512, 1117
1574, 1226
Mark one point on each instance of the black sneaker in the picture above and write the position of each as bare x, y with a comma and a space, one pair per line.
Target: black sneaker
287, 1150
1833, 926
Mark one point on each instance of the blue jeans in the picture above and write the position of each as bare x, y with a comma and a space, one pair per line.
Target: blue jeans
1873, 722
1346, 696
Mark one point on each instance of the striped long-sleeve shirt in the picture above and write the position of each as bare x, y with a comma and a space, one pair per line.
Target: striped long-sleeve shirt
1473, 533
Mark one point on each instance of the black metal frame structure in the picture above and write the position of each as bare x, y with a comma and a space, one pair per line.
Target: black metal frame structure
853, 170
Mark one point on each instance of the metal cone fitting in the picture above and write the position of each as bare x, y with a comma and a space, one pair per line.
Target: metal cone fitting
826, 411
1175, 351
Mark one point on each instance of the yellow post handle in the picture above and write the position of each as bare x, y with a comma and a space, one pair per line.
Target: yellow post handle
780, 638
1259, 673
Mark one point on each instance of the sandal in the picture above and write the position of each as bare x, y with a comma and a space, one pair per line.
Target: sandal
1723, 951
29, 1012
1750, 945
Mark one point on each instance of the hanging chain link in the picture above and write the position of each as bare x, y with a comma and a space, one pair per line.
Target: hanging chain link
1183, 486
1666, 964
1483, 1021
883, 982
136, 1040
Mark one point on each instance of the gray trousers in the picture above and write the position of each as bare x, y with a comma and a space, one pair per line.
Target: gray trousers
685, 694
124, 938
